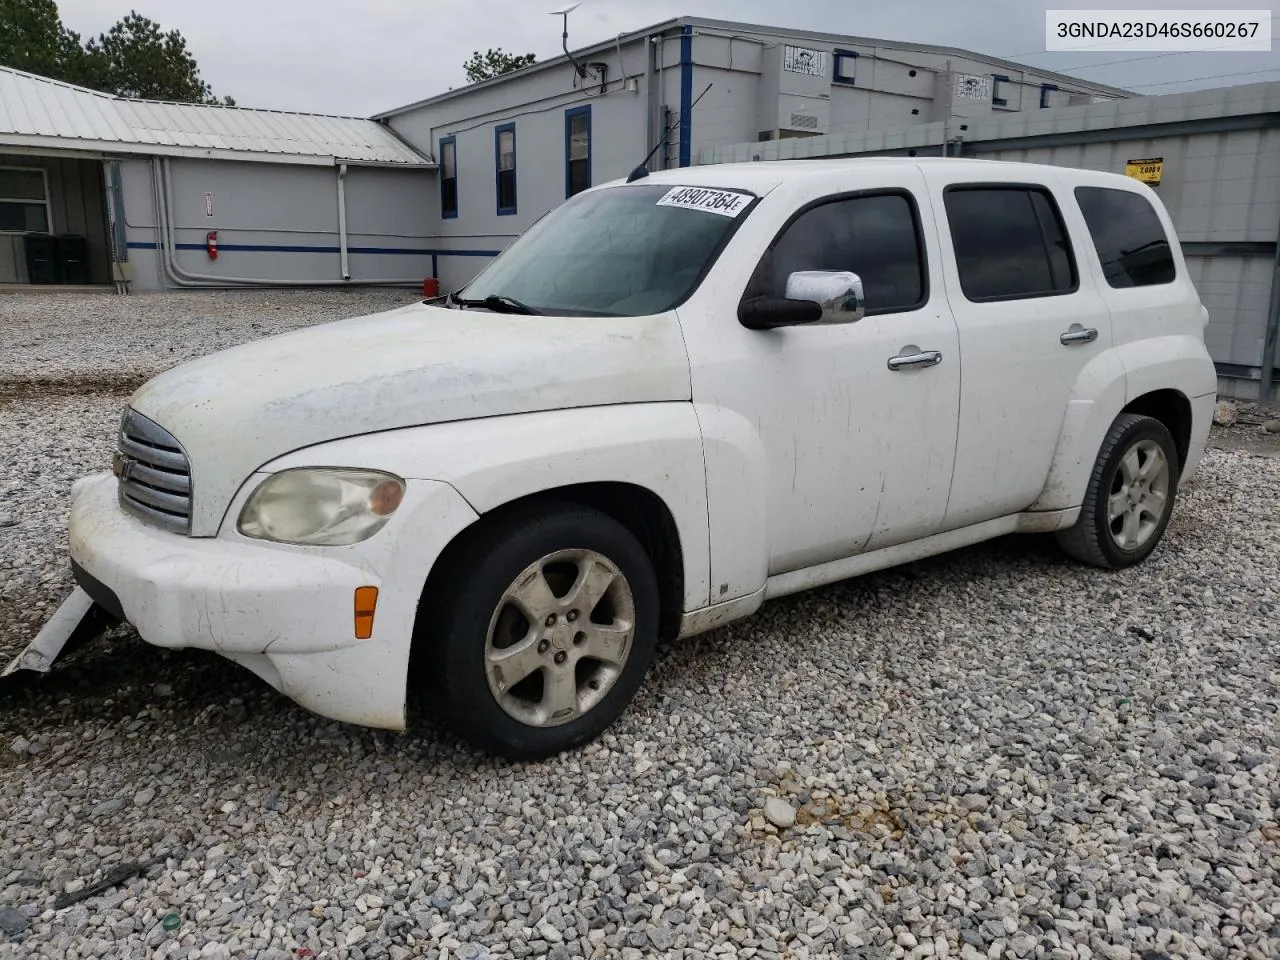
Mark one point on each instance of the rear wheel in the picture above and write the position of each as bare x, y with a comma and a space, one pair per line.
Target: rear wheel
547, 627
1130, 495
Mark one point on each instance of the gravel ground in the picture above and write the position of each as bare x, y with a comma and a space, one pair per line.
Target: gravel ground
996, 753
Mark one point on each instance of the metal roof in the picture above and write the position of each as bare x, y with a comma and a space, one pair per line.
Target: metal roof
759, 30
39, 113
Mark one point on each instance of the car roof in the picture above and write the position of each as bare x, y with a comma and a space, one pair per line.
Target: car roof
762, 176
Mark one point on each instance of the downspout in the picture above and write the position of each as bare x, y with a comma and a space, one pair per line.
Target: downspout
686, 95
651, 81
1273, 328
946, 120
342, 219
184, 278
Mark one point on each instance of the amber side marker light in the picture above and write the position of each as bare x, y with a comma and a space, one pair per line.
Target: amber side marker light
366, 603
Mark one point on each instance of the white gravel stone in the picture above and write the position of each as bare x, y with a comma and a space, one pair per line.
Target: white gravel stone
779, 812
981, 748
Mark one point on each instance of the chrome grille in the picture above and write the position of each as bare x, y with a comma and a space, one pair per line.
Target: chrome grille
154, 475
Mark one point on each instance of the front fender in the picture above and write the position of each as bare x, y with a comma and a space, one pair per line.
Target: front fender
737, 477
496, 460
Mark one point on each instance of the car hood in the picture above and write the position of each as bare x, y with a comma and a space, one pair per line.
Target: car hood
237, 409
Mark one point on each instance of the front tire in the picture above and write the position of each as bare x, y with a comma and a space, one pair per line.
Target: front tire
546, 627
1130, 496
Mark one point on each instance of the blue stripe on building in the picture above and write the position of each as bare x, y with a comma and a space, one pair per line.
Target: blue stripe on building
290, 248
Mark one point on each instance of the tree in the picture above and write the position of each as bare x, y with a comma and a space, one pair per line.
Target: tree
140, 61
132, 59
494, 63
32, 37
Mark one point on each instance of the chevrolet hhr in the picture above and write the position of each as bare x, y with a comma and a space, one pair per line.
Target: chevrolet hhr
668, 401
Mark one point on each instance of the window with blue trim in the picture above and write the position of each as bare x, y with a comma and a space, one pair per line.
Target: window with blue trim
996, 99
504, 149
577, 150
448, 178
845, 67
1045, 90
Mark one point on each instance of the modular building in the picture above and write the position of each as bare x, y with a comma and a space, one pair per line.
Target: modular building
96, 189
511, 148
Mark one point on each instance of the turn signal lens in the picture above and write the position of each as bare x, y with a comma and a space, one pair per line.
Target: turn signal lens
366, 604
385, 497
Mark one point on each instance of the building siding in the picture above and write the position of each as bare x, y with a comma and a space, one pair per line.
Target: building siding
536, 104
279, 223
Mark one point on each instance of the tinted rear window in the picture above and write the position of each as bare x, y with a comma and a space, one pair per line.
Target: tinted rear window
1127, 234
1009, 243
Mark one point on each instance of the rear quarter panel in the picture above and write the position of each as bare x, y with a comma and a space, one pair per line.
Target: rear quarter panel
1168, 319
1157, 344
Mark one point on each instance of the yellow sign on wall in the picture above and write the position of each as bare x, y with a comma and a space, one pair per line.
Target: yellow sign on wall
1148, 171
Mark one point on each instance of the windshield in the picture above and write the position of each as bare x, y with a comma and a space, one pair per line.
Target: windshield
619, 252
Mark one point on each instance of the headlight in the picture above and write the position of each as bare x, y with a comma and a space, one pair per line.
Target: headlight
321, 507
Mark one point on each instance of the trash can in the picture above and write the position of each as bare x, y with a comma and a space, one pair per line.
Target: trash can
73, 259
41, 253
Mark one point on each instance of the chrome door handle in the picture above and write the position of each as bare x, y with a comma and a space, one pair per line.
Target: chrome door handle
1078, 334
915, 357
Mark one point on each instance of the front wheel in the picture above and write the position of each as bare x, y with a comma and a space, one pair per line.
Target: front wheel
1130, 495
546, 629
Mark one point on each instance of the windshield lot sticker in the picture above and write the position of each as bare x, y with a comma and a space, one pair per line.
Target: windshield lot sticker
724, 202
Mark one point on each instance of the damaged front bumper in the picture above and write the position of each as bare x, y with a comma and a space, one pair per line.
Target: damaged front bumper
78, 619
286, 613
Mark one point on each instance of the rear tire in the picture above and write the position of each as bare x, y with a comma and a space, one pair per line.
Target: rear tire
1130, 496
542, 630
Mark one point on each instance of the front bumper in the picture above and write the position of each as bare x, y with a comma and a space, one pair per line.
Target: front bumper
287, 613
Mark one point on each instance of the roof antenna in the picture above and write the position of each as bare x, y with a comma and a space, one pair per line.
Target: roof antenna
564, 12
642, 171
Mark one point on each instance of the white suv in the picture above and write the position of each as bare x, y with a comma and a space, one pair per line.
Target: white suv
670, 400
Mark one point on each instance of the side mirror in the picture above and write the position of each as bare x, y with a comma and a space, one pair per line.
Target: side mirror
813, 297
837, 292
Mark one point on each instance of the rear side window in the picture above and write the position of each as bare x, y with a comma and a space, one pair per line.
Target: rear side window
1009, 243
876, 236
1127, 234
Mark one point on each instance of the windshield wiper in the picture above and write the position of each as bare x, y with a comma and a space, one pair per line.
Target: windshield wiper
498, 304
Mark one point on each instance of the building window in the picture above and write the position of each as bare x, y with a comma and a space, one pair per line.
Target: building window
996, 99
846, 61
504, 145
1128, 236
448, 178
24, 200
577, 150
1045, 90
1009, 243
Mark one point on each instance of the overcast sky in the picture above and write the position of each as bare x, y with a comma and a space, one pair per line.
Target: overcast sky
364, 56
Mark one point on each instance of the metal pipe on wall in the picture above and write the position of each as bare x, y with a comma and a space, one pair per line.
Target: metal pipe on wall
1273, 329
184, 278
652, 117
342, 219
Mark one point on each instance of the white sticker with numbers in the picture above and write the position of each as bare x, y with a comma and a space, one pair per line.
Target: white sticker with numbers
727, 203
